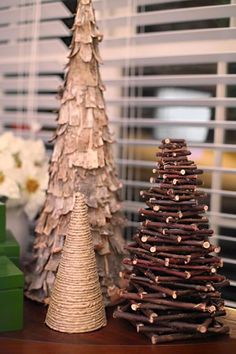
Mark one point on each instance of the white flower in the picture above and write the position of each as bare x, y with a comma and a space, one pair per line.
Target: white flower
23, 172
23, 150
34, 151
8, 185
5, 140
10, 143
33, 186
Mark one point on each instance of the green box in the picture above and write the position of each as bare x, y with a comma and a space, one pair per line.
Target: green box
2, 222
10, 276
15, 260
11, 310
11, 296
10, 248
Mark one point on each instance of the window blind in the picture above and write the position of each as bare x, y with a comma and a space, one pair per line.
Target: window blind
33, 53
170, 68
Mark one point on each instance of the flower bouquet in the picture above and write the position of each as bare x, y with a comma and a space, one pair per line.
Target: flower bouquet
23, 173
23, 183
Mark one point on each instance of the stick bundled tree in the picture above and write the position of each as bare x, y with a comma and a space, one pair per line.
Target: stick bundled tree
82, 160
76, 303
174, 289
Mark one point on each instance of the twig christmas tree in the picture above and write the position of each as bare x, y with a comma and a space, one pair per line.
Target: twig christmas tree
174, 290
76, 303
82, 160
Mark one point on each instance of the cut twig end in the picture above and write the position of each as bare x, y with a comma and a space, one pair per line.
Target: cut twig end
144, 238
152, 317
187, 275
211, 309
138, 326
134, 307
153, 249
174, 295
154, 339
202, 329
206, 244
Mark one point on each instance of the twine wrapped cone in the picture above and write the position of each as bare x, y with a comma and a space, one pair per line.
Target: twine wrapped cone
76, 303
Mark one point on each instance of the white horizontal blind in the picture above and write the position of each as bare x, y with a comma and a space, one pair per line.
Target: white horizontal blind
149, 46
32, 59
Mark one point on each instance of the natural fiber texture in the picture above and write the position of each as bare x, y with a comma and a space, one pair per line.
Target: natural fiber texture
82, 161
76, 303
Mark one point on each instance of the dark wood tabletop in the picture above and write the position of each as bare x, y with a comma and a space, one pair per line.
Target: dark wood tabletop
118, 337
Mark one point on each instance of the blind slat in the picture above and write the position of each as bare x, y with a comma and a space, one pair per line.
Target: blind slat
156, 102
148, 54
228, 56
20, 101
173, 16
53, 10
47, 83
46, 29
48, 48
147, 142
46, 66
173, 80
8, 3
172, 36
46, 119
145, 122
99, 4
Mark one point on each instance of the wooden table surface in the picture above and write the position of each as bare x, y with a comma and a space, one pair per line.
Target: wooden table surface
119, 337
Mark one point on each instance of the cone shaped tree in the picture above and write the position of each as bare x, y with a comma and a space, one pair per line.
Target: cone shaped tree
82, 160
76, 303
174, 290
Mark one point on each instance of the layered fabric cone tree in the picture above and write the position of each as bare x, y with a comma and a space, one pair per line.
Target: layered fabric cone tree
76, 303
82, 160
174, 290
